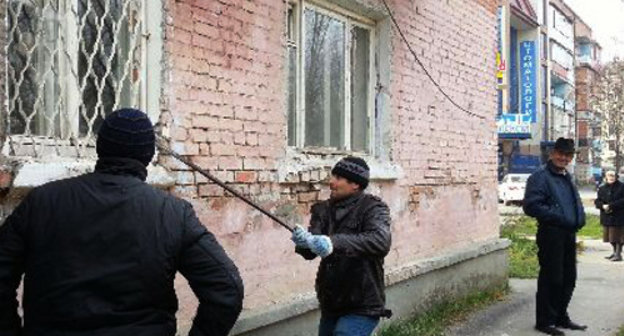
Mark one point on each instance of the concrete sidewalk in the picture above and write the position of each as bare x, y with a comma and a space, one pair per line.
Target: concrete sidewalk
598, 301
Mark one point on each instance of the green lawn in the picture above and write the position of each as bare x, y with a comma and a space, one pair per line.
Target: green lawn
620, 332
527, 226
434, 321
520, 230
592, 228
523, 251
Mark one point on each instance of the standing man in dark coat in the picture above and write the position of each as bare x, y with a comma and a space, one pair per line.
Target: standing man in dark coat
99, 252
553, 199
351, 233
610, 201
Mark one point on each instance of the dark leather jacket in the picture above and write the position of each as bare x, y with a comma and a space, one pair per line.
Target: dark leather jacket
546, 195
351, 279
100, 253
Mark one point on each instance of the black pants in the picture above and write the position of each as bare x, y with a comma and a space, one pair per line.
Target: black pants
557, 276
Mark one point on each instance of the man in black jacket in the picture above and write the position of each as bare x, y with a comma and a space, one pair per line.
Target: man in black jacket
100, 251
351, 233
552, 198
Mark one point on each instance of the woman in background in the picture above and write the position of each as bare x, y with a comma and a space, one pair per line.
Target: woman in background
610, 201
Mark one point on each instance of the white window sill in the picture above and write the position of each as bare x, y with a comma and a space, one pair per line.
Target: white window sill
36, 172
303, 165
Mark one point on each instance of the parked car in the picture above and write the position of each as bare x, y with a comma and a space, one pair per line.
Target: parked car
511, 188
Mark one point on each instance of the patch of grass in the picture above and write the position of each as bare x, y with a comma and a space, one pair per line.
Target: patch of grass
519, 225
527, 226
620, 331
592, 228
523, 262
435, 321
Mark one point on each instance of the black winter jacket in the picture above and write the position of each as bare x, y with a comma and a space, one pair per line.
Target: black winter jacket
613, 195
545, 198
351, 279
100, 253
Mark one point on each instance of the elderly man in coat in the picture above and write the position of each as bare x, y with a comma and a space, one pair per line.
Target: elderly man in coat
553, 199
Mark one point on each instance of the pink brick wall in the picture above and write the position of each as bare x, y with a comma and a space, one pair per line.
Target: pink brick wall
226, 107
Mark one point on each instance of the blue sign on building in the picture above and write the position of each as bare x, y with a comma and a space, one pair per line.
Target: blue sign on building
528, 80
514, 126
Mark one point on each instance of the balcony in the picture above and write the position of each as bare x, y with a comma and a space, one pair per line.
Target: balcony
562, 74
586, 60
562, 104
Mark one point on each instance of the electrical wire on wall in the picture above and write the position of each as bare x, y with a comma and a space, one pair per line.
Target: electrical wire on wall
446, 95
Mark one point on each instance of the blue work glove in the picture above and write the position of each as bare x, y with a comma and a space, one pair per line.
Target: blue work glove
300, 236
321, 245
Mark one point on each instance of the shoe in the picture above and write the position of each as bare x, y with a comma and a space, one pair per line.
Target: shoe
571, 325
611, 256
550, 330
616, 258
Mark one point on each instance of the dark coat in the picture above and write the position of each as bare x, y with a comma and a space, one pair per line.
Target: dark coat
351, 279
545, 198
100, 253
613, 195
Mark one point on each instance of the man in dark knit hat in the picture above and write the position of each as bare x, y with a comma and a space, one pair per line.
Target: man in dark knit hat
553, 199
99, 252
351, 233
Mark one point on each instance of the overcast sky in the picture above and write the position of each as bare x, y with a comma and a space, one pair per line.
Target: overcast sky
606, 18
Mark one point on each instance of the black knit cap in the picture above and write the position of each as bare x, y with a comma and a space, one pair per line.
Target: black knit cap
127, 133
353, 169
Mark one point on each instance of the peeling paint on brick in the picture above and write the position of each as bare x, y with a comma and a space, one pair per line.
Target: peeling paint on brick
436, 168
223, 106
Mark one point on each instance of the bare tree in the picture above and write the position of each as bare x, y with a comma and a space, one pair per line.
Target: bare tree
608, 99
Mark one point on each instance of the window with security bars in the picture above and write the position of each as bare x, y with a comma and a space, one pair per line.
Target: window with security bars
330, 77
69, 63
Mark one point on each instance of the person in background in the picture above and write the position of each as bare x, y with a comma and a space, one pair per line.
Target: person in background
610, 201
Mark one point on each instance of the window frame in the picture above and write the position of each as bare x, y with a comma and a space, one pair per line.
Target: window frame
350, 20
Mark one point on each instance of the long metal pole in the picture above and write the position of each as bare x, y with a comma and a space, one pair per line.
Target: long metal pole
165, 149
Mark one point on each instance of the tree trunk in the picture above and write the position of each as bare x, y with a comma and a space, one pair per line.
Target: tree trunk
617, 150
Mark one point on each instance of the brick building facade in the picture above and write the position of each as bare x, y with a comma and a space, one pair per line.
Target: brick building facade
229, 92
588, 53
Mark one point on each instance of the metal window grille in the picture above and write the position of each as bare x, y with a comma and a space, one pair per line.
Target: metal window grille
69, 64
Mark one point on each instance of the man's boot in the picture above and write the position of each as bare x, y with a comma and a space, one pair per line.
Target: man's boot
550, 330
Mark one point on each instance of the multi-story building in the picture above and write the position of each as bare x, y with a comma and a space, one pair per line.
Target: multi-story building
588, 119
522, 85
537, 82
562, 105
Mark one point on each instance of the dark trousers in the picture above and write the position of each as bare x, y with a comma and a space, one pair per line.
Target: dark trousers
557, 276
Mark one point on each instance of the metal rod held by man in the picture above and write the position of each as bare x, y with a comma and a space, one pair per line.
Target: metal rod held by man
165, 149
